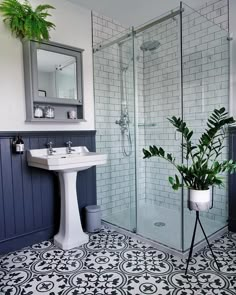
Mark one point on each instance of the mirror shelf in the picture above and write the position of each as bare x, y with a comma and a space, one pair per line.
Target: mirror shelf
44, 120
61, 101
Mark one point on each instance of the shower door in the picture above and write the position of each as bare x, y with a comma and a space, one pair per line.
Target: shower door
176, 65
137, 87
115, 124
159, 210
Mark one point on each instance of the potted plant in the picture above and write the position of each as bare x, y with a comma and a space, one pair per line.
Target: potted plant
203, 168
25, 22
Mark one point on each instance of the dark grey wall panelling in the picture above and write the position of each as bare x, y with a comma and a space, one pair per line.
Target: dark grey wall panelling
29, 197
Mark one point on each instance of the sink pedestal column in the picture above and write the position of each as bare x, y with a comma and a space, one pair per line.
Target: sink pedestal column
70, 234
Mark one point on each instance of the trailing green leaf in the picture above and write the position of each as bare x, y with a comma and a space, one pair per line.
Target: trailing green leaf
26, 23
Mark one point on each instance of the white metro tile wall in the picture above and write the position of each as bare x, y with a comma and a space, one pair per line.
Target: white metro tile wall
115, 181
162, 100
206, 66
105, 28
205, 58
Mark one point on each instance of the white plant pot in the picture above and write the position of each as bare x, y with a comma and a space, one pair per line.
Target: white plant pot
200, 200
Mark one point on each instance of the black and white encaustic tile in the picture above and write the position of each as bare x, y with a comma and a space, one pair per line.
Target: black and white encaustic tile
114, 264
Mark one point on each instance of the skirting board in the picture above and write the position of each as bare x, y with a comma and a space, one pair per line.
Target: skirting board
25, 240
232, 225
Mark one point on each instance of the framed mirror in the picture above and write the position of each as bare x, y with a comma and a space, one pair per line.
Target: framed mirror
53, 75
57, 75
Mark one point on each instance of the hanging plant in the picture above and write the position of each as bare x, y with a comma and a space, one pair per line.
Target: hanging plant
25, 22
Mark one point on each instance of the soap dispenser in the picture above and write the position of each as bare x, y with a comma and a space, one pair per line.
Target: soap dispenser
19, 145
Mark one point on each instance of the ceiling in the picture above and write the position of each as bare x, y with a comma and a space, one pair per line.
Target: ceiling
134, 12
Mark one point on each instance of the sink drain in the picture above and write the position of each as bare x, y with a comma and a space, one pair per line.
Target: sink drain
159, 224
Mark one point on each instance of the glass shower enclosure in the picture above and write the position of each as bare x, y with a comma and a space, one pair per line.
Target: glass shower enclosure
176, 65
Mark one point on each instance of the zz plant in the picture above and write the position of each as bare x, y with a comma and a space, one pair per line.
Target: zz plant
203, 167
25, 22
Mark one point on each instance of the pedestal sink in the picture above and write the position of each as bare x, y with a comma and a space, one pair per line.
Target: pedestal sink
70, 234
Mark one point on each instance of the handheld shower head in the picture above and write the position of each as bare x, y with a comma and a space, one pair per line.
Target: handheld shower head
125, 67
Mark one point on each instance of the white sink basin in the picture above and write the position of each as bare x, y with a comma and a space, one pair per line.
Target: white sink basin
70, 234
79, 159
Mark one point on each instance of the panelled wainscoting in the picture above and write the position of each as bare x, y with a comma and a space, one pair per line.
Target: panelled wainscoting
29, 197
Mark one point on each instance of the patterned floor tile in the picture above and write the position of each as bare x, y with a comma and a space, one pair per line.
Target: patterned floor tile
138, 262
114, 264
147, 284
59, 261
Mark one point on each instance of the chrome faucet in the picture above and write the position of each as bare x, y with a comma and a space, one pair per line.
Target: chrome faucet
50, 148
123, 122
69, 147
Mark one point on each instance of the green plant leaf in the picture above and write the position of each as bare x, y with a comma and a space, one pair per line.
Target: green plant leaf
203, 169
171, 180
175, 186
162, 152
169, 157
26, 23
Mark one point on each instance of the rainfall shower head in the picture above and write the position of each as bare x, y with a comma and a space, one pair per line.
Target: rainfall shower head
150, 45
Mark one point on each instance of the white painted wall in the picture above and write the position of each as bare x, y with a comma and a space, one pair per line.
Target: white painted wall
232, 28
73, 27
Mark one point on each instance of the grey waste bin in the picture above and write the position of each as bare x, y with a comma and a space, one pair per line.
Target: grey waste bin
93, 218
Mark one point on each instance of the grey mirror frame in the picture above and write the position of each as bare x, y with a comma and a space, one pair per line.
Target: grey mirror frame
31, 71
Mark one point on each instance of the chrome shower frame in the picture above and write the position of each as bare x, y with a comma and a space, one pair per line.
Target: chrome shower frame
137, 30
124, 120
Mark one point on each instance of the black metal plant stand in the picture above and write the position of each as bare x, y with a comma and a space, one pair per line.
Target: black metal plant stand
192, 243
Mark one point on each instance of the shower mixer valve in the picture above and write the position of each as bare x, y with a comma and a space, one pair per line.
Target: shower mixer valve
126, 141
123, 122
